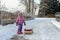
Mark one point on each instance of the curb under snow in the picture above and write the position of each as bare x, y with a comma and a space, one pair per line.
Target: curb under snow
57, 24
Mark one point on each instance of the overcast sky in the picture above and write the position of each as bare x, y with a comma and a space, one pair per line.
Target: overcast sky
37, 1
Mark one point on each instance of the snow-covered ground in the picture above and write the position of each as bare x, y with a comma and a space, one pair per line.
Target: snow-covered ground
43, 29
56, 23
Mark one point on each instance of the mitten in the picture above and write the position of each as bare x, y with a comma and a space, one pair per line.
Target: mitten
24, 23
16, 23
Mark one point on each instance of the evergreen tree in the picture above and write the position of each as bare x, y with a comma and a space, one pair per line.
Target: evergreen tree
58, 8
47, 6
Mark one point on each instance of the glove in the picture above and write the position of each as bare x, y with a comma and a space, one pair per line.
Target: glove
16, 23
24, 23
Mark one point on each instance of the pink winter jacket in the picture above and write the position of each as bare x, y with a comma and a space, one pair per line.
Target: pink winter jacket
20, 20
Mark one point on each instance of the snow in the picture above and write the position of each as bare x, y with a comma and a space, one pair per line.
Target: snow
56, 23
43, 29
7, 31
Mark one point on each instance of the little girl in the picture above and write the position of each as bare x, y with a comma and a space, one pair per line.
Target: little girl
19, 21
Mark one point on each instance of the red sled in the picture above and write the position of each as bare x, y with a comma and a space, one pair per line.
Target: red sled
28, 31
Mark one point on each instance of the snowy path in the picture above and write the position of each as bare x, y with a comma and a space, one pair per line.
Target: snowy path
43, 29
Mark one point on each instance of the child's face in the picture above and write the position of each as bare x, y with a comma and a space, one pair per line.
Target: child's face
20, 14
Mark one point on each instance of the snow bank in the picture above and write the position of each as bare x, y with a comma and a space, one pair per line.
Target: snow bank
57, 24
46, 19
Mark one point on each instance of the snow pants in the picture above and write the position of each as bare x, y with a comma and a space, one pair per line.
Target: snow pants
19, 28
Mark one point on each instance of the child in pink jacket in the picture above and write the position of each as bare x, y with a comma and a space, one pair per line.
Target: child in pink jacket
19, 21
